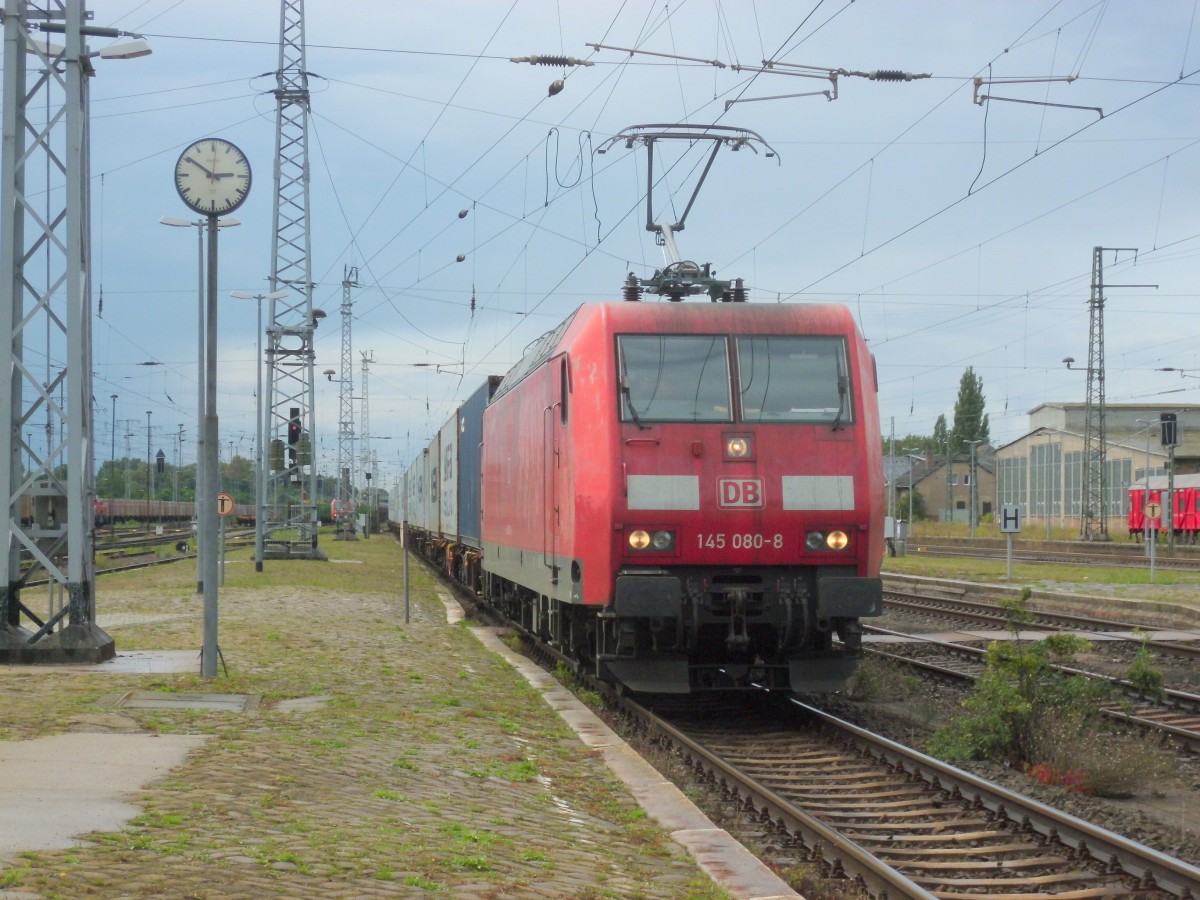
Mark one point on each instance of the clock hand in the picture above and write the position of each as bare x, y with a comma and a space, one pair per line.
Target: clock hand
206, 171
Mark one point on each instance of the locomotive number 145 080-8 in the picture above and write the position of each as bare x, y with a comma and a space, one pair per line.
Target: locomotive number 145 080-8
715, 540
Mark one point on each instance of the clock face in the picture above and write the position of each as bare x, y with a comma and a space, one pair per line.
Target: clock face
213, 177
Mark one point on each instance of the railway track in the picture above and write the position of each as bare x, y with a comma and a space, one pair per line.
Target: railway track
1176, 716
897, 822
954, 605
1094, 554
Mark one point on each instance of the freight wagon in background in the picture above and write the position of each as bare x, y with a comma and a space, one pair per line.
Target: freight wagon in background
681, 497
1184, 515
109, 511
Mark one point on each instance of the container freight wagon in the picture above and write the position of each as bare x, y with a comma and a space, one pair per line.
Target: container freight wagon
443, 493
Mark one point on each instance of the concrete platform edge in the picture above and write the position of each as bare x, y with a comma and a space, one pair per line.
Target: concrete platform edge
715, 851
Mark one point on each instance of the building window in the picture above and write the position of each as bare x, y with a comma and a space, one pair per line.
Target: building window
1011, 481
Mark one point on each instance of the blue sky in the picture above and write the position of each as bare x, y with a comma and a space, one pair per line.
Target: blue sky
959, 233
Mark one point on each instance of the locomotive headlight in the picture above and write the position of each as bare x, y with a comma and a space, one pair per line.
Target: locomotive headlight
663, 541
826, 540
739, 446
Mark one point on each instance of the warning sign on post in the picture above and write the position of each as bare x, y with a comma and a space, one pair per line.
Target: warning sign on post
224, 504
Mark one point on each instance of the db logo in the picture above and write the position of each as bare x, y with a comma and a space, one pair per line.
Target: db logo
740, 493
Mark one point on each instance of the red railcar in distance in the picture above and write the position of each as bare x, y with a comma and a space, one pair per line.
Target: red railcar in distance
1184, 517
688, 497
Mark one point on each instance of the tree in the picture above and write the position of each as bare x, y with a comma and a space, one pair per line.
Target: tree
941, 434
970, 421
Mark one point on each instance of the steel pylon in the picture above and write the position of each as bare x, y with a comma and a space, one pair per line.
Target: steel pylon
289, 467
47, 481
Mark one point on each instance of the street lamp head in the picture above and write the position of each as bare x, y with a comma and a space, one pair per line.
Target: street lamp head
248, 295
125, 50
176, 222
1068, 360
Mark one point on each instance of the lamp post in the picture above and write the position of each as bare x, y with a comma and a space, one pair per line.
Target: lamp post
972, 492
112, 465
128, 454
178, 463
913, 459
1048, 474
149, 471
1149, 532
260, 460
200, 225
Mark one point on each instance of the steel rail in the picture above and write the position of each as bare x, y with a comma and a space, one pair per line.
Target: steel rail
1137, 860
985, 611
839, 853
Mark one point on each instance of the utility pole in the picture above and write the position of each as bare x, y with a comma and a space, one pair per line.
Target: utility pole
972, 491
367, 359
950, 477
149, 470
290, 505
45, 278
345, 454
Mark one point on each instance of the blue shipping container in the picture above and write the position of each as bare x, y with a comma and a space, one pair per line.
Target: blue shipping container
470, 461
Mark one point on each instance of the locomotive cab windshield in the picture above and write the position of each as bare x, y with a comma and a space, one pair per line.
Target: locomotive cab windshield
687, 378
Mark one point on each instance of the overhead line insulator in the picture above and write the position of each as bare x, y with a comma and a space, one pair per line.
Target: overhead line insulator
536, 60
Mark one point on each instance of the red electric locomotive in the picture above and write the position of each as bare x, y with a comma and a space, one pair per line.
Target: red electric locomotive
683, 497
688, 497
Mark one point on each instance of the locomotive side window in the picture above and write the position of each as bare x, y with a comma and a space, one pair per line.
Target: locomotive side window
674, 378
794, 379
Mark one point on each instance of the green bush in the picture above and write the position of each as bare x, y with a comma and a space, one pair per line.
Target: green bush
1144, 675
1019, 697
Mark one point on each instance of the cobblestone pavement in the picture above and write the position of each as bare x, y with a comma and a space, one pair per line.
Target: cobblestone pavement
425, 765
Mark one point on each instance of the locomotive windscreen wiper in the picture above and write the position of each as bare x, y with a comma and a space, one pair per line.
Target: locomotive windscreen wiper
843, 387
633, 414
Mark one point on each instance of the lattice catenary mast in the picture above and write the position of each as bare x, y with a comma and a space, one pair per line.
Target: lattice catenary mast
48, 486
1094, 514
290, 499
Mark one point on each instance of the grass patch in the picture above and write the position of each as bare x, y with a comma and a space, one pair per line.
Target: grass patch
304, 793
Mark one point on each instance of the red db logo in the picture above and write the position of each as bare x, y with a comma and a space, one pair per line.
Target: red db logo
740, 493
